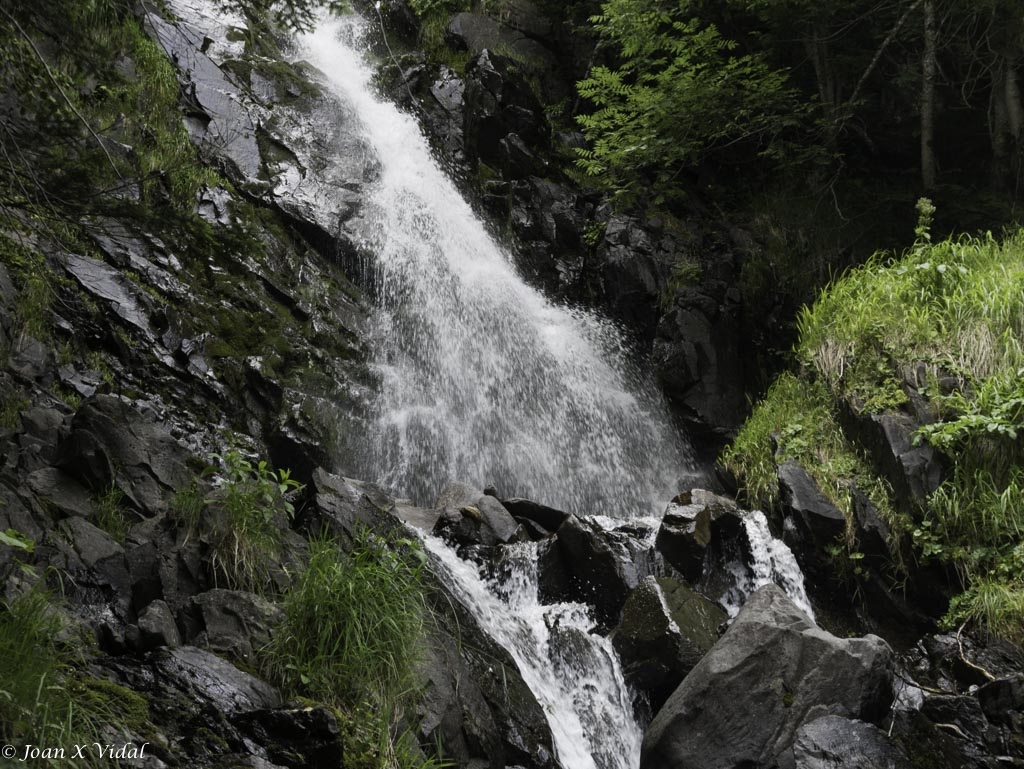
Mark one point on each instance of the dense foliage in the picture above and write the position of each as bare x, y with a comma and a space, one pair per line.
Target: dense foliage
836, 90
953, 314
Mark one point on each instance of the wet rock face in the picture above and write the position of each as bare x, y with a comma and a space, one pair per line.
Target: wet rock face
833, 742
771, 673
272, 154
665, 630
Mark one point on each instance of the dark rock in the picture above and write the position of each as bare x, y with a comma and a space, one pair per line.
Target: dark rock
471, 517
98, 566
691, 523
111, 287
213, 680
308, 738
32, 361
157, 627
498, 102
546, 516
108, 433
600, 568
833, 742
1000, 698
554, 582
696, 352
237, 623
914, 472
475, 699
665, 629
772, 671
960, 714
342, 506
819, 522
41, 431
62, 492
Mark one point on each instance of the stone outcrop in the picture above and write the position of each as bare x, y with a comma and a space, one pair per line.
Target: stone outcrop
665, 630
771, 673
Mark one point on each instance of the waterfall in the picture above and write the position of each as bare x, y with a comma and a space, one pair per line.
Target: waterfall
483, 379
575, 675
771, 560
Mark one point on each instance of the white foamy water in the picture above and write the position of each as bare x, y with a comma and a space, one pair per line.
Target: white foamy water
574, 675
771, 560
483, 379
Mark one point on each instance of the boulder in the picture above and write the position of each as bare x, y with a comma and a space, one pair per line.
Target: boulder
600, 568
692, 521
470, 517
474, 699
212, 680
112, 441
665, 630
547, 517
236, 623
833, 742
771, 672
157, 627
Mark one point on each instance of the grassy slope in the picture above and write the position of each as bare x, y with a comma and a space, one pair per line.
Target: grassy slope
954, 311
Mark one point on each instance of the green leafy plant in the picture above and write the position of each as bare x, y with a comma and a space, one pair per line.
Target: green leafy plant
679, 90
244, 519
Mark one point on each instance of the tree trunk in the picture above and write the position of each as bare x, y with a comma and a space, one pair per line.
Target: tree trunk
928, 68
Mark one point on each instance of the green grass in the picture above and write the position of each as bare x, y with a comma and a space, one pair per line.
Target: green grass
44, 699
244, 519
111, 514
349, 639
796, 421
953, 313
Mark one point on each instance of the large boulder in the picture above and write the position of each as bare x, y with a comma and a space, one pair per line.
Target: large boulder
470, 517
600, 567
772, 672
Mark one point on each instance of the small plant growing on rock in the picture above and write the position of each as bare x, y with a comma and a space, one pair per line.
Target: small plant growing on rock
247, 514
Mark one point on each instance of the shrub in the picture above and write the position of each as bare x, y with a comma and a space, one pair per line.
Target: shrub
244, 519
350, 638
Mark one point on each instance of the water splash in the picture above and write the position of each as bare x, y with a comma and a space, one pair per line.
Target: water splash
575, 675
771, 560
482, 378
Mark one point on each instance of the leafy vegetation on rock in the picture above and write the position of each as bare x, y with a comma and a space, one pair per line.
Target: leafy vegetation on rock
352, 628
943, 324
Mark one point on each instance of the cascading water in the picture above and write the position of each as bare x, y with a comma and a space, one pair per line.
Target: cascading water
575, 675
482, 378
771, 560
